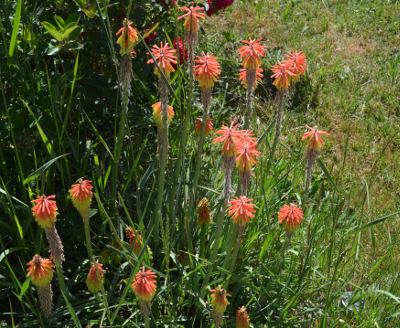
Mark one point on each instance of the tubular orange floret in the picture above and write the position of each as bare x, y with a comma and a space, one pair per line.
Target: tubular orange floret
242, 210
242, 76
207, 72
204, 212
40, 271
209, 126
144, 285
246, 152
92, 281
315, 141
164, 55
282, 74
252, 53
192, 17
130, 35
45, 210
291, 217
218, 300
133, 238
297, 64
81, 195
242, 318
229, 137
157, 114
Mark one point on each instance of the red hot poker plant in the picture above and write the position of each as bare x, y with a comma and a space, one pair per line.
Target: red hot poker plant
145, 288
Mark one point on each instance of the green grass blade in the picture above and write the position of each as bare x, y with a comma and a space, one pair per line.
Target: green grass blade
35, 174
17, 19
71, 310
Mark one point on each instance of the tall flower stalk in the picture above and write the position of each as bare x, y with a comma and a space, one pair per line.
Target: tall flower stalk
164, 55
251, 54
45, 212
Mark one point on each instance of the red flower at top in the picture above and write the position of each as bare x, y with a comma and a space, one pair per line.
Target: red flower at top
315, 141
45, 210
192, 16
40, 271
207, 72
219, 4
144, 285
282, 75
246, 152
297, 64
229, 137
252, 53
242, 210
130, 36
81, 194
164, 55
291, 217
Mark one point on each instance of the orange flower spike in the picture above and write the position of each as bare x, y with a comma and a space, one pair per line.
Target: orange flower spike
242, 210
144, 285
248, 136
45, 210
242, 76
290, 216
40, 271
207, 72
218, 300
157, 114
92, 281
132, 237
297, 63
164, 55
242, 318
81, 195
192, 17
282, 74
246, 151
252, 53
229, 137
315, 141
130, 36
209, 126
204, 212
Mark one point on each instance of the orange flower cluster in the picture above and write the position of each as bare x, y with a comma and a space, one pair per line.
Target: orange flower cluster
291, 217
289, 70
128, 37
133, 238
209, 126
164, 55
251, 54
40, 271
242, 318
81, 195
157, 114
45, 210
218, 300
246, 151
204, 212
229, 138
144, 285
242, 210
315, 141
92, 281
192, 17
207, 72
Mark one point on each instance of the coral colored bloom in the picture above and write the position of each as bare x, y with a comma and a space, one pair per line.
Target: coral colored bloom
193, 14
248, 136
297, 64
282, 75
209, 126
92, 281
218, 300
40, 271
315, 141
164, 55
242, 76
229, 137
157, 113
204, 212
45, 210
290, 216
130, 35
144, 285
242, 318
81, 195
207, 72
133, 238
242, 210
246, 152
252, 53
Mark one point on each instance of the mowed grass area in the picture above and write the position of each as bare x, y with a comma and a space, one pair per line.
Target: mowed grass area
352, 88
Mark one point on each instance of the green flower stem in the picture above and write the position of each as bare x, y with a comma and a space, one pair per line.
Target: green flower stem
88, 239
220, 219
203, 230
146, 321
231, 237
61, 281
234, 257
